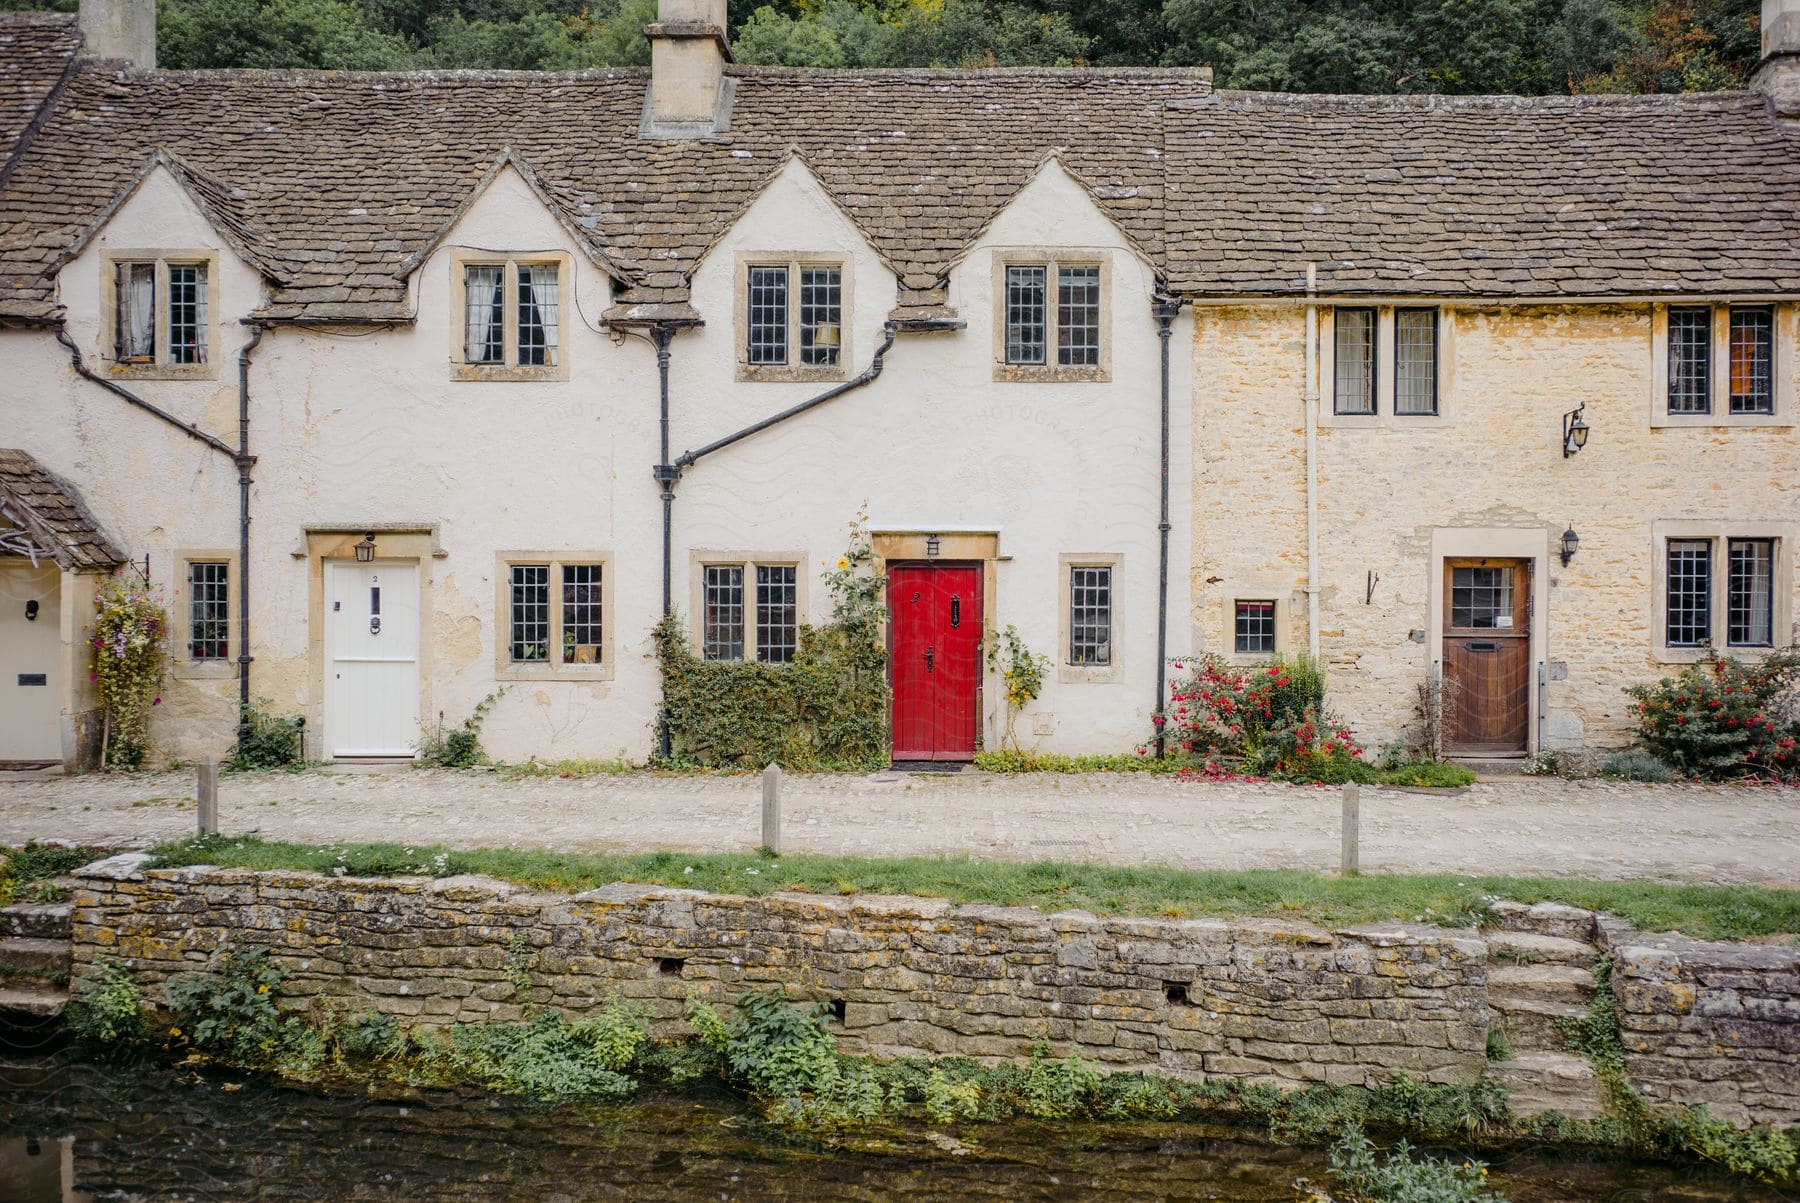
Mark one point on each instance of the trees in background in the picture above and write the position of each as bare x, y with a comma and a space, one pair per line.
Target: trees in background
1452, 46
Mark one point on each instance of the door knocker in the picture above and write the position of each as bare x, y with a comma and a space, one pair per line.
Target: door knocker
955, 610
374, 624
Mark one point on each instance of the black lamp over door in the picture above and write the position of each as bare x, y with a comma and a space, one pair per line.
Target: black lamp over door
365, 550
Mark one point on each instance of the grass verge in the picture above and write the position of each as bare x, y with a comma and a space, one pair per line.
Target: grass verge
1705, 912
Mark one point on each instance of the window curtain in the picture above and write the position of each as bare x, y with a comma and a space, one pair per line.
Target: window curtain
201, 328
482, 340
543, 299
137, 311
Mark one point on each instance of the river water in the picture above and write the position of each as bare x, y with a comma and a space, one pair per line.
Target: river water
70, 1132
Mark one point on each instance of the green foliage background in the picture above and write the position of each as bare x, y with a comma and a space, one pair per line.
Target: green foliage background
1447, 46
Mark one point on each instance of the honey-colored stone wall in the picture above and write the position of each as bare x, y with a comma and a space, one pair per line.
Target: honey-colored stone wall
1492, 462
1286, 1002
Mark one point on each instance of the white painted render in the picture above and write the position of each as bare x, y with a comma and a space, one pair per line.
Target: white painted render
360, 428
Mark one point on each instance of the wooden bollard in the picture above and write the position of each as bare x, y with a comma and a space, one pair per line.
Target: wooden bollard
1349, 857
771, 783
206, 795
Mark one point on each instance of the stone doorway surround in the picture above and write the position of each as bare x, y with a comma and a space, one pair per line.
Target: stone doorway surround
1531, 544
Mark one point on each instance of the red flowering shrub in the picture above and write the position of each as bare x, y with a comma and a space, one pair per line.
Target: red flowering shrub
1723, 719
1270, 718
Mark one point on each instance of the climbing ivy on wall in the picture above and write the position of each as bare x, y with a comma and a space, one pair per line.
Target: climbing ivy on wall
827, 708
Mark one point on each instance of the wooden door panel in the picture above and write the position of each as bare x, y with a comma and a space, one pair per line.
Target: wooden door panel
934, 643
1487, 655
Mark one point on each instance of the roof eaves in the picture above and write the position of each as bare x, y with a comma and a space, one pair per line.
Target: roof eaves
793, 154
196, 186
508, 157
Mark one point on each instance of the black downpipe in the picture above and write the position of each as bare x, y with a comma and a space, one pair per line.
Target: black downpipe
240, 456
245, 461
1166, 309
668, 473
187, 428
868, 374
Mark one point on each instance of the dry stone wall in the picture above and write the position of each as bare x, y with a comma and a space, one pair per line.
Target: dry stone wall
1282, 1001
1278, 1001
1712, 1023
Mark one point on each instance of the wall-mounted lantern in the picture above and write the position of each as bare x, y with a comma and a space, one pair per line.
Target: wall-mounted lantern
1571, 543
31, 610
1575, 430
932, 546
365, 551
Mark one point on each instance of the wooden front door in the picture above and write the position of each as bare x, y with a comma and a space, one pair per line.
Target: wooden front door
371, 659
1487, 656
934, 644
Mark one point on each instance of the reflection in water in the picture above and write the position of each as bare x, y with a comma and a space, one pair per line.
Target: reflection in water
154, 1133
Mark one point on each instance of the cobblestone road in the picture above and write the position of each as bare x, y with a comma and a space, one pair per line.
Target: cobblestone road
1527, 826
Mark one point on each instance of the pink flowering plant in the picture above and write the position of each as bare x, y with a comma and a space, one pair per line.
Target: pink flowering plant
1264, 719
128, 656
1725, 719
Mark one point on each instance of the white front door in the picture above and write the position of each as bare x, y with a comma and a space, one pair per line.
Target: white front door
30, 651
371, 659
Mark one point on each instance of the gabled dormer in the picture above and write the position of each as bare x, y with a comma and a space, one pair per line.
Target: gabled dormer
801, 281
161, 270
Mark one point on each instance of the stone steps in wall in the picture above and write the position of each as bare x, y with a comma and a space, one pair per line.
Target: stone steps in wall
28, 957
1567, 984
38, 920
32, 1001
1528, 948
1542, 919
1530, 1025
1547, 1081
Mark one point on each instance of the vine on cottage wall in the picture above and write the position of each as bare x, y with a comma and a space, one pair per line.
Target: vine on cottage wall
128, 648
827, 708
1021, 672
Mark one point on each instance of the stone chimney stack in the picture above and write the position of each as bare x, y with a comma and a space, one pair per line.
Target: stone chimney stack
120, 29
690, 97
1778, 75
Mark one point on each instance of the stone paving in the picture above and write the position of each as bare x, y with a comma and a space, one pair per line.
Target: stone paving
1515, 826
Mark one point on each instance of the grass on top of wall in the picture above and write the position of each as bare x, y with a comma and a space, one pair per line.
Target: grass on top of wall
1706, 912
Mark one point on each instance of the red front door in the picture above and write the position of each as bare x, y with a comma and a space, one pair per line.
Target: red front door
934, 640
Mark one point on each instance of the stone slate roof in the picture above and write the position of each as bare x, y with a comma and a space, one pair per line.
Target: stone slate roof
52, 515
36, 49
338, 183
1483, 196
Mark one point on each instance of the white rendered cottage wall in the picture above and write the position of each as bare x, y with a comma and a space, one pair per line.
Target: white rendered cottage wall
373, 430
152, 489
358, 428
938, 444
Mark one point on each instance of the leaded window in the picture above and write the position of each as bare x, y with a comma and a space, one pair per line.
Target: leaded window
1481, 599
537, 314
209, 610
777, 612
1752, 351
484, 293
1689, 583
1415, 361
1690, 359
581, 613
722, 629
768, 316
187, 313
1254, 628
1750, 593
1027, 332
1353, 359
1078, 316
821, 315
530, 626
1090, 616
